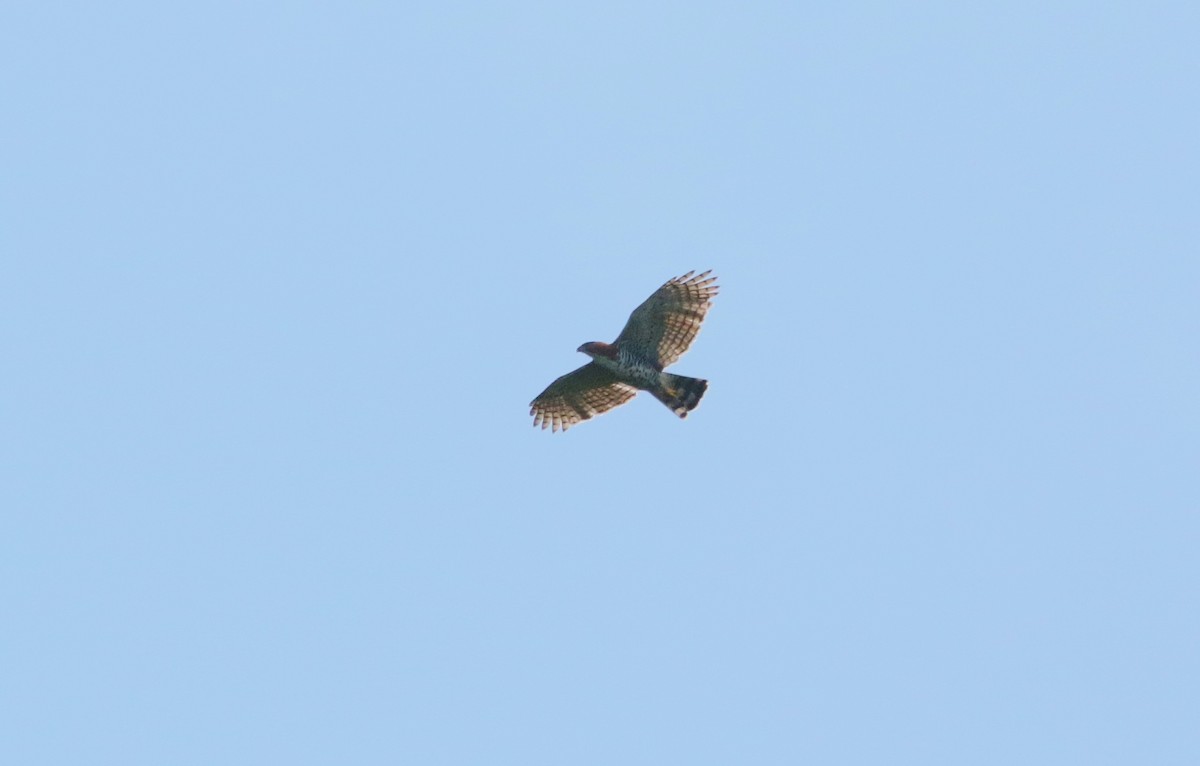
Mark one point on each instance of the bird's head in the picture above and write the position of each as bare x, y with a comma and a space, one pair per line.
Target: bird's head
595, 348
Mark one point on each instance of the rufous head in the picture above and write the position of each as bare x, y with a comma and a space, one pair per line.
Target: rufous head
596, 348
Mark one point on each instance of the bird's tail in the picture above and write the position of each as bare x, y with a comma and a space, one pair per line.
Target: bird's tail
680, 393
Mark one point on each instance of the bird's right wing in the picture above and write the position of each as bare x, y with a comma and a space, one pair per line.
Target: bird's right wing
578, 396
661, 329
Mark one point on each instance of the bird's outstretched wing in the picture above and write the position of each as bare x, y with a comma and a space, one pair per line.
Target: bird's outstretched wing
577, 396
664, 326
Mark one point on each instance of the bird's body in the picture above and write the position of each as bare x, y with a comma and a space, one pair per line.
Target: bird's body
658, 332
623, 363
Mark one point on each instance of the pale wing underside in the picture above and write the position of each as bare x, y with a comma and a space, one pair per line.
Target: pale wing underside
664, 326
578, 396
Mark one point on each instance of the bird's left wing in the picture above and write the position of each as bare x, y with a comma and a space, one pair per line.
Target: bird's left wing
578, 396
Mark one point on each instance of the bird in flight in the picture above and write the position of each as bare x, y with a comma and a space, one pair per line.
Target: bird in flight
658, 332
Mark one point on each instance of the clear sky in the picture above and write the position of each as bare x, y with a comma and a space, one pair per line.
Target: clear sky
280, 279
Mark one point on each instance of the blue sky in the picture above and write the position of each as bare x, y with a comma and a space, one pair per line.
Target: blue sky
281, 279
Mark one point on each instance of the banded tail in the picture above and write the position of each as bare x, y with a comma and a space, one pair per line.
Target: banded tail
680, 393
